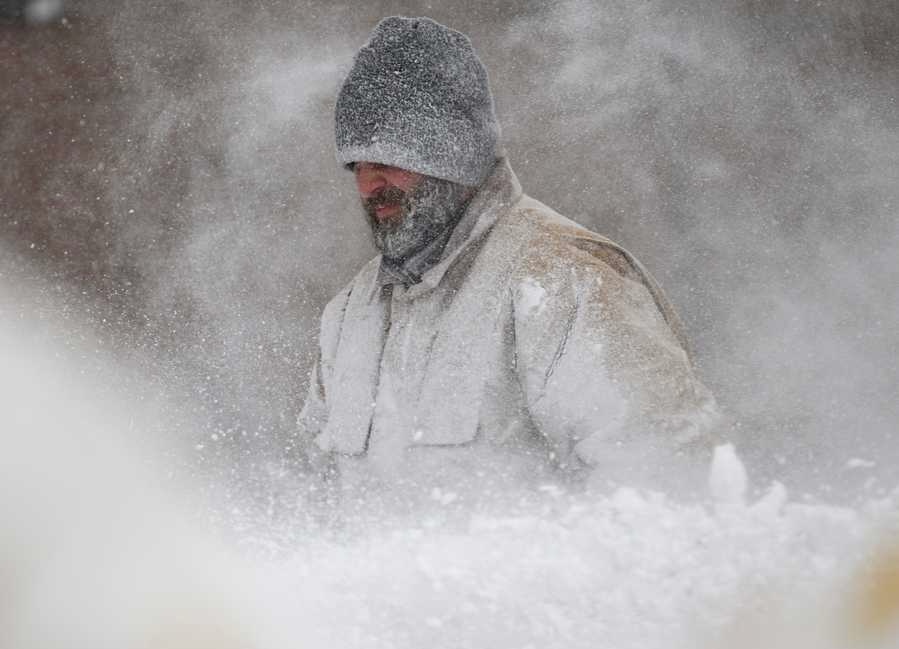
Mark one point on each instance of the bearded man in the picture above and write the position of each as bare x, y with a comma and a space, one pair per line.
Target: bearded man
493, 343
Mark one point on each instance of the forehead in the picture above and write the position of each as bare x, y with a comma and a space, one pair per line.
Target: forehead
367, 172
364, 165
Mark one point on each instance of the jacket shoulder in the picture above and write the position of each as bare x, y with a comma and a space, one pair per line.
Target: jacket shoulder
559, 248
558, 243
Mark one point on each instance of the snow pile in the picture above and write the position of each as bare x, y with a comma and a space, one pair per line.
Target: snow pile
97, 549
630, 570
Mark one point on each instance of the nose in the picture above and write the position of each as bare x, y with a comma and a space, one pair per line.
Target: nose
369, 178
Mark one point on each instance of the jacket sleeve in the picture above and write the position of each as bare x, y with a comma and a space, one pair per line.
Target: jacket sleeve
320, 466
606, 380
314, 414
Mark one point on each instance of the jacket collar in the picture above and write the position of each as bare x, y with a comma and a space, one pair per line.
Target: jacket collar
499, 192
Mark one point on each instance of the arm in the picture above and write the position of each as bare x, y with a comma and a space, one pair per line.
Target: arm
320, 479
313, 417
605, 378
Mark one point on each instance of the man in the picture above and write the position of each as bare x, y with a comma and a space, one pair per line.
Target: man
493, 343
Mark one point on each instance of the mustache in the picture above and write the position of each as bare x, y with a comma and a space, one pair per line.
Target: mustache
385, 197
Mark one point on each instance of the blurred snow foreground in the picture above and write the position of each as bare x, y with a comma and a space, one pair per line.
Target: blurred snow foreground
94, 553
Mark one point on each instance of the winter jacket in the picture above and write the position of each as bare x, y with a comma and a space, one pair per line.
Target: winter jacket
535, 352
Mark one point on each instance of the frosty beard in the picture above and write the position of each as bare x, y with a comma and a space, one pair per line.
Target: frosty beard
426, 212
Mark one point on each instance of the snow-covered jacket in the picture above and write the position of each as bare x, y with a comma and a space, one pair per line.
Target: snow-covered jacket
535, 351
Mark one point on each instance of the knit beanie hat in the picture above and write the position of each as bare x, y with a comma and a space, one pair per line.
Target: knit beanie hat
418, 98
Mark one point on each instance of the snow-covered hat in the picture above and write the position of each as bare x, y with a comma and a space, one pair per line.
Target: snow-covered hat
418, 98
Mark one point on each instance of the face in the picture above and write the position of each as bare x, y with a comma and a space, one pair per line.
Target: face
383, 189
406, 210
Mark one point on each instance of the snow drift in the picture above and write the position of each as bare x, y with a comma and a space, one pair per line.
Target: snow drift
100, 547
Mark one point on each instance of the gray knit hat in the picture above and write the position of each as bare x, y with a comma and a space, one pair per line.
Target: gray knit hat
418, 98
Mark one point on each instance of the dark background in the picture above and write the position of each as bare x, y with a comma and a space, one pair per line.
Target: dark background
168, 174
